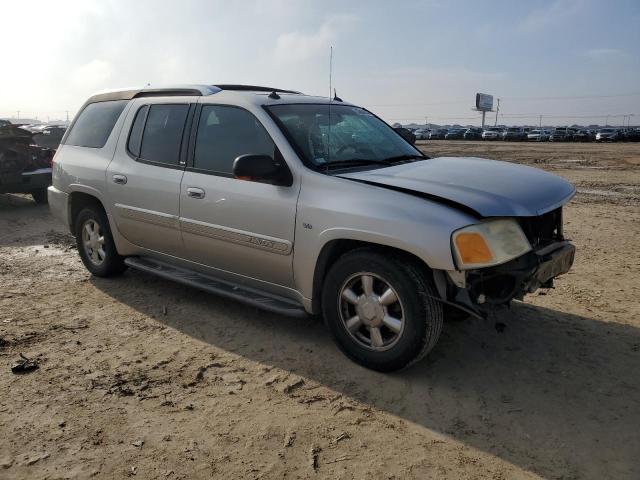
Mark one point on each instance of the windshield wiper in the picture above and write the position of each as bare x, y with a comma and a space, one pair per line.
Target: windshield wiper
400, 158
354, 162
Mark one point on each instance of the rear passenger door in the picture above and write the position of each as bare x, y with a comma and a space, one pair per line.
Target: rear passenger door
242, 227
144, 177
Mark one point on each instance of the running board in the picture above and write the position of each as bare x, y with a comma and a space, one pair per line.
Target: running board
193, 279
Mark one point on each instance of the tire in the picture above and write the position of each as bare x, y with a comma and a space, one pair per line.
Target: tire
101, 259
40, 196
415, 307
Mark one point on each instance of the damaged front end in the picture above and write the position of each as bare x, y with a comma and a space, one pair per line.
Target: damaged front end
24, 166
478, 290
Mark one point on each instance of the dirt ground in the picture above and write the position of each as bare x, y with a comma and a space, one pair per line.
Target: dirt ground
141, 377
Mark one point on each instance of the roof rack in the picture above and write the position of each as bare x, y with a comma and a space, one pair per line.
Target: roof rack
179, 91
254, 88
173, 90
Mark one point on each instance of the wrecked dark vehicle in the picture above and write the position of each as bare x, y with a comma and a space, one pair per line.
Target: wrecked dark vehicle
49, 137
25, 167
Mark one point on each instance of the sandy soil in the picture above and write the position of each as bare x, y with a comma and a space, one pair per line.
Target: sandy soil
141, 377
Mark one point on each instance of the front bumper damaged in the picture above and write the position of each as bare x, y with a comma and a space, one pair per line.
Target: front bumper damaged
477, 291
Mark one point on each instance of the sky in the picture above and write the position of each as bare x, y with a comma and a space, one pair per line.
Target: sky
573, 61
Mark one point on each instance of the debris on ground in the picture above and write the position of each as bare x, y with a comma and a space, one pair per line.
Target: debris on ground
290, 439
138, 443
342, 436
341, 459
293, 386
24, 365
313, 453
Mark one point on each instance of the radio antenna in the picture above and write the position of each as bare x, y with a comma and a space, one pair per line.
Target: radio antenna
330, 100
330, 70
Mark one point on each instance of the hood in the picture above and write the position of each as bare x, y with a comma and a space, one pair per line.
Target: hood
488, 187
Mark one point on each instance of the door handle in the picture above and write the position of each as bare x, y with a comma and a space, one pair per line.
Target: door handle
194, 192
119, 179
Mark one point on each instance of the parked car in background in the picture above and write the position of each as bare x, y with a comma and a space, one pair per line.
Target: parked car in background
455, 134
421, 134
582, 136
24, 166
492, 133
4, 122
406, 134
473, 134
632, 135
438, 134
559, 135
384, 237
608, 135
514, 134
538, 135
50, 136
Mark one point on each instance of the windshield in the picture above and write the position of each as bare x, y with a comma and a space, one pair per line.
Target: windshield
352, 134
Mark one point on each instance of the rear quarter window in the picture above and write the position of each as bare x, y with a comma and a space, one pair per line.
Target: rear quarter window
94, 124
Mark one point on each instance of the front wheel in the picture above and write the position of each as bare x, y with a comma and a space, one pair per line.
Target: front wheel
381, 309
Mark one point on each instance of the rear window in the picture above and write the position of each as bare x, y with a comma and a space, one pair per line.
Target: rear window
94, 124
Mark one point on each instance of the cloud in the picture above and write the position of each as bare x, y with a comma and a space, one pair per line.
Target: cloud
92, 75
605, 54
299, 46
543, 17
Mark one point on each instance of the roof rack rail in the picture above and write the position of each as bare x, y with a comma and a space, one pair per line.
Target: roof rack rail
254, 88
175, 90
168, 92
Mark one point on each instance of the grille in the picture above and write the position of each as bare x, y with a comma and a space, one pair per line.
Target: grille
544, 229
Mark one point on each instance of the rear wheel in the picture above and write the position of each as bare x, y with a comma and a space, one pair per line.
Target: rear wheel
40, 196
95, 243
381, 309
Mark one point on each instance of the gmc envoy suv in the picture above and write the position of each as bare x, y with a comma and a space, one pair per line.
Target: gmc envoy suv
305, 205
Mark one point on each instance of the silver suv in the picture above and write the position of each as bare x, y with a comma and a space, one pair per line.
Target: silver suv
305, 205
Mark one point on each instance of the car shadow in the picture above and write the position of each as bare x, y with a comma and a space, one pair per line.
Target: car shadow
553, 393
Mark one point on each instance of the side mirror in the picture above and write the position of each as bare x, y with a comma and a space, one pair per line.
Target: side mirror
261, 168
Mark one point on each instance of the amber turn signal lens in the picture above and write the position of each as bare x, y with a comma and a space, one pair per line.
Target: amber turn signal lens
472, 248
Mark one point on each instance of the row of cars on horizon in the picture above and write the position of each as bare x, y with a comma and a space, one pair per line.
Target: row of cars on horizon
521, 134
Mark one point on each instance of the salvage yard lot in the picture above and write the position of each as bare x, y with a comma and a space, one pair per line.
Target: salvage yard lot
140, 376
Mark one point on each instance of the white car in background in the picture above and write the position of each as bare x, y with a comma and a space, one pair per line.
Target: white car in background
492, 133
538, 136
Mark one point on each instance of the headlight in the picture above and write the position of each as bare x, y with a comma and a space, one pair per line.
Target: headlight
489, 243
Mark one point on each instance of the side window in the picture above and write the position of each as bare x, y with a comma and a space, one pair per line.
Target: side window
94, 124
225, 133
135, 137
162, 134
